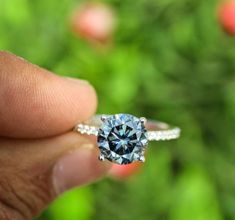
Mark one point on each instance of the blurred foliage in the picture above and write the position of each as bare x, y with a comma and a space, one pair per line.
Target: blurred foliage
168, 60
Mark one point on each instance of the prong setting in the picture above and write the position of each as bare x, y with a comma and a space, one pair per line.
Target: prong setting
142, 158
101, 157
103, 118
144, 120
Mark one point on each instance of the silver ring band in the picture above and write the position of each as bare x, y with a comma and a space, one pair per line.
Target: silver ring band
123, 138
156, 130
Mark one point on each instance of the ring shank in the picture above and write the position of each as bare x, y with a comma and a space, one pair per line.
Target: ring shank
156, 130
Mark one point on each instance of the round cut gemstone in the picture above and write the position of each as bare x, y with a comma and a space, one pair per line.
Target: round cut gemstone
122, 138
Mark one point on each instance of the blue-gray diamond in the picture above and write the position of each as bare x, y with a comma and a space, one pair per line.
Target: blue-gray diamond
122, 138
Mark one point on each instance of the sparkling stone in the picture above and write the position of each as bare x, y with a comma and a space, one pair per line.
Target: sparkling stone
122, 138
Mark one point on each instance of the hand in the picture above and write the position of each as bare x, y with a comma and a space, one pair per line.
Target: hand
40, 156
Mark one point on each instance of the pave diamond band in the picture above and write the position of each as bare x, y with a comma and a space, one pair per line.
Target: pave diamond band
123, 138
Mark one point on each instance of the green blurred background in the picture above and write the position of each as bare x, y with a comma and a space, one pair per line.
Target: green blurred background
169, 60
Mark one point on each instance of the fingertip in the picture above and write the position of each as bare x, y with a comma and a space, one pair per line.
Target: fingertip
65, 103
79, 100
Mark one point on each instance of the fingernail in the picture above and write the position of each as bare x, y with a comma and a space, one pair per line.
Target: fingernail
78, 167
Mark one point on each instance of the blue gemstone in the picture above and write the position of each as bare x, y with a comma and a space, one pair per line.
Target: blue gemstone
122, 138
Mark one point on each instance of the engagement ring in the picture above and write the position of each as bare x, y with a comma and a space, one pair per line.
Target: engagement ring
123, 138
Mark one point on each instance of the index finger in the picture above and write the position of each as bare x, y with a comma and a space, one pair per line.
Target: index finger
36, 103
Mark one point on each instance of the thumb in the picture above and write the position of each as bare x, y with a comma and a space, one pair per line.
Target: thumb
35, 172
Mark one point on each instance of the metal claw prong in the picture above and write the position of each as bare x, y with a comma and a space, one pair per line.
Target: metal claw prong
143, 119
101, 157
142, 159
103, 117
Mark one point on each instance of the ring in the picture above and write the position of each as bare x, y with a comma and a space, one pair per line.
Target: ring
123, 138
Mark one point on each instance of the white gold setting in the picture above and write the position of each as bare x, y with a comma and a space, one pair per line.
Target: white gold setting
123, 138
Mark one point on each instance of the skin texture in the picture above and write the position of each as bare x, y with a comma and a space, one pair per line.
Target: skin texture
40, 155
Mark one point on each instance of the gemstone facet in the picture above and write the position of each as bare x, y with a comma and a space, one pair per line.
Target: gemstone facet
122, 138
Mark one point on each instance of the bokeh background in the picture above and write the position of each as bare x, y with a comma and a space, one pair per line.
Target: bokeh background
166, 59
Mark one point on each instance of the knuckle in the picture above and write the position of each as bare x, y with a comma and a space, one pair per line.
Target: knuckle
11, 203
7, 214
21, 199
